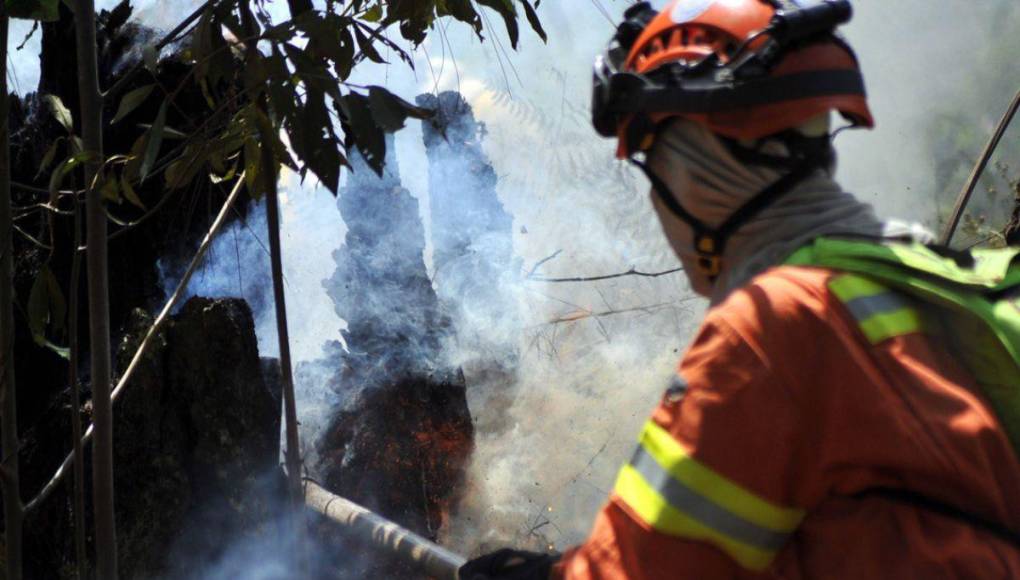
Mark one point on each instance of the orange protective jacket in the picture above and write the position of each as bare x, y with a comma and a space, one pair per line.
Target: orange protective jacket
762, 465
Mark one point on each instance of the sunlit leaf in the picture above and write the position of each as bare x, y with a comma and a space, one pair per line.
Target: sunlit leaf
373, 14
65, 167
61, 351
60, 112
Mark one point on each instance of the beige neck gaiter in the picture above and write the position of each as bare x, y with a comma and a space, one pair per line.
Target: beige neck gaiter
711, 184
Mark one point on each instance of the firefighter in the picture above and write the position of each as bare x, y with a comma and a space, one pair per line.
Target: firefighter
819, 425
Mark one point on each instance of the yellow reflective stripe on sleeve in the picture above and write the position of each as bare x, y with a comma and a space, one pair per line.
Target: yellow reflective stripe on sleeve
653, 509
881, 313
882, 327
848, 286
677, 495
668, 452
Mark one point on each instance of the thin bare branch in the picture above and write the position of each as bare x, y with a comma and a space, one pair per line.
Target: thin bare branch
541, 262
631, 272
579, 315
32, 238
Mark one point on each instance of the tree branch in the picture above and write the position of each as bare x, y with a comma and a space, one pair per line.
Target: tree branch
631, 272
578, 315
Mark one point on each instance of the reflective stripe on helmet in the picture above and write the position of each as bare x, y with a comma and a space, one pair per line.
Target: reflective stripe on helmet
675, 494
881, 313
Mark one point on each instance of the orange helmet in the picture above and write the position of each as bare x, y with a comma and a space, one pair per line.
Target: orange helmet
745, 69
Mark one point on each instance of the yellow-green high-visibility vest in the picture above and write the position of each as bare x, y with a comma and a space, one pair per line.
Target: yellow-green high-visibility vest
971, 301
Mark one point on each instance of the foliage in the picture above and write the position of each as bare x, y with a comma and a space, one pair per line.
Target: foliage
43, 10
303, 74
300, 73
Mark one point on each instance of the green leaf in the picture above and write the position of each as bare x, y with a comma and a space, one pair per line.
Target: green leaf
42, 10
46, 305
65, 167
533, 19
60, 112
367, 47
463, 11
373, 14
58, 306
171, 133
39, 307
230, 174
390, 111
134, 164
184, 169
131, 101
369, 138
506, 9
110, 190
343, 65
251, 169
48, 158
153, 142
129, 193
61, 351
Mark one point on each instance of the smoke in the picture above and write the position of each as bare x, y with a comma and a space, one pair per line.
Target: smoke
590, 360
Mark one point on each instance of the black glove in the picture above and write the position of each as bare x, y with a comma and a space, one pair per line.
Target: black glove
507, 564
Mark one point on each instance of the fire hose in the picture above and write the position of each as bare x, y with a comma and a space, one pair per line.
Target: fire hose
409, 547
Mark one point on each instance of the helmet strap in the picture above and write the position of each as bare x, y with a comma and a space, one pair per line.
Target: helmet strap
710, 243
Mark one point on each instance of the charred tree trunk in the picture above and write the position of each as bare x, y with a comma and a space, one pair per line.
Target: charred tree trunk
13, 509
401, 434
472, 235
99, 296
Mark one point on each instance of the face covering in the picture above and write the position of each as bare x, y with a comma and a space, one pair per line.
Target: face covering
711, 184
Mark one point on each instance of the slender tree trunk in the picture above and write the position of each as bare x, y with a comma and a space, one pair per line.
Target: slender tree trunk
99, 299
13, 509
72, 377
268, 172
292, 455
